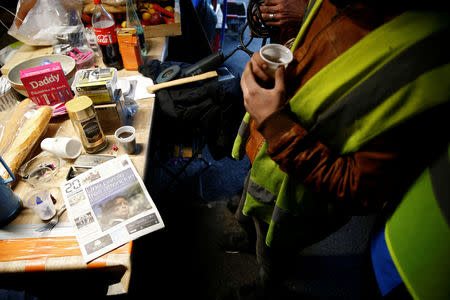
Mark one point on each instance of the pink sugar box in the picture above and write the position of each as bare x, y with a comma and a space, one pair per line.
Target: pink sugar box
47, 85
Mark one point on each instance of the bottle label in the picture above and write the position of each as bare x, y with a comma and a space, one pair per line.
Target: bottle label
106, 36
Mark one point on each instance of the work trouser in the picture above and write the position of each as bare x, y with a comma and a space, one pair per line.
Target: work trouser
274, 262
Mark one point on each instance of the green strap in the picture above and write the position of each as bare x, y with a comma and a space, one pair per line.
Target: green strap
313, 8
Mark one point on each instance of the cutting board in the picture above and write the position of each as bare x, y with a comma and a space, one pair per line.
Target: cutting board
24, 53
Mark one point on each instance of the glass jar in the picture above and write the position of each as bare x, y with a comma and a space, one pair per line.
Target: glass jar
85, 121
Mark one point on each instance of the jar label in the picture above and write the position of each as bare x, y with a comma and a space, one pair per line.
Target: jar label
92, 131
106, 36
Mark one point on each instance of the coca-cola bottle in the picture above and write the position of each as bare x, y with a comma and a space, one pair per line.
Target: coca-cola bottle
105, 31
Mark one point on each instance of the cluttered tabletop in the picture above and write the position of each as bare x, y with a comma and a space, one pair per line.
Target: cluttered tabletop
76, 146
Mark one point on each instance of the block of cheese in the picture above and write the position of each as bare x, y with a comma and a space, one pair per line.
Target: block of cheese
33, 128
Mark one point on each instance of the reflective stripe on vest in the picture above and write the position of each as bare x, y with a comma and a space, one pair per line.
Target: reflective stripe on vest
342, 77
418, 234
404, 68
259, 192
311, 12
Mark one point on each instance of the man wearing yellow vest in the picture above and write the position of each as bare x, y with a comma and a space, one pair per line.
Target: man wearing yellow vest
355, 124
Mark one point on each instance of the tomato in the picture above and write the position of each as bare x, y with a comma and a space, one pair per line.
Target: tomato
169, 20
156, 19
145, 22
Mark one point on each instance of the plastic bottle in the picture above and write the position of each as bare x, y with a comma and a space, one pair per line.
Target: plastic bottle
133, 21
105, 30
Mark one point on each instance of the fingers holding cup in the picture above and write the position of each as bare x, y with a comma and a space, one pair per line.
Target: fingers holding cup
275, 55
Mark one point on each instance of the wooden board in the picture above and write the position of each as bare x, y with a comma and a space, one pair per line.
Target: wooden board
174, 29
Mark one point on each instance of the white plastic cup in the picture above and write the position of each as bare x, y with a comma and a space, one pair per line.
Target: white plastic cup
64, 147
275, 55
40, 201
126, 136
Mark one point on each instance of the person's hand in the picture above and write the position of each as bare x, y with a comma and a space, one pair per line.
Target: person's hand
259, 67
258, 101
283, 12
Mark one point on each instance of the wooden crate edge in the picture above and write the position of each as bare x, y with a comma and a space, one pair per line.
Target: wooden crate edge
159, 30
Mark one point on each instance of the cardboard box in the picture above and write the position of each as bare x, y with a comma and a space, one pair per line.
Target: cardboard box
47, 84
110, 116
98, 84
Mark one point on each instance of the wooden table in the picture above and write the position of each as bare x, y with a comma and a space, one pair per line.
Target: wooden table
25, 256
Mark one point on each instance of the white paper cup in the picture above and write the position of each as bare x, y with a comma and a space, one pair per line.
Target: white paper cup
126, 136
275, 55
64, 147
40, 201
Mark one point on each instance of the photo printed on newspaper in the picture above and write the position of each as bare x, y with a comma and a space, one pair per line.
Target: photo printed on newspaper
109, 206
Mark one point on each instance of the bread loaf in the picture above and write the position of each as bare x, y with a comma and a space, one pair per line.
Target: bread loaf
89, 8
13, 124
29, 134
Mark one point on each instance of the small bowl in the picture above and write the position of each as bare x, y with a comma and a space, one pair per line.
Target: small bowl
40, 169
67, 63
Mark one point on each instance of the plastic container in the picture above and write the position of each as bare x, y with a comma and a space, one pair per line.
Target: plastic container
40, 201
129, 48
275, 55
40, 169
64, 147
126, 135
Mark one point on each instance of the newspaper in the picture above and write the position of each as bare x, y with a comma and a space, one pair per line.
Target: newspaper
109, 206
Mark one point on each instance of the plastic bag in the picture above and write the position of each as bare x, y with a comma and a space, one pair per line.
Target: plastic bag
21, 133
11, 121
48, 21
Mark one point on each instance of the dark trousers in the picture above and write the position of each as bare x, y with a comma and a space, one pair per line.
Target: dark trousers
274, 262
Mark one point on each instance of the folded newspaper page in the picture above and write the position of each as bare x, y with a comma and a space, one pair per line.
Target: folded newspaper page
109, 206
